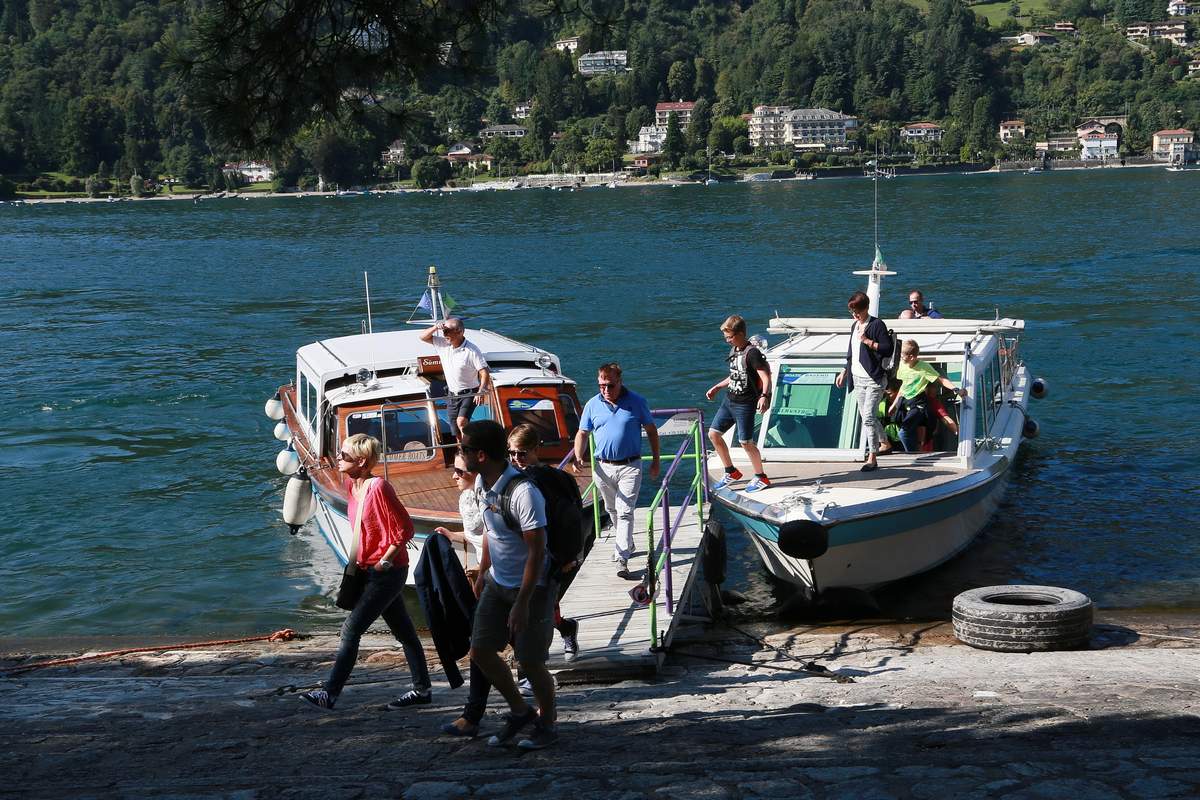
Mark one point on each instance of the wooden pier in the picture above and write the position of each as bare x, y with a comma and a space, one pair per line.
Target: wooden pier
614, 632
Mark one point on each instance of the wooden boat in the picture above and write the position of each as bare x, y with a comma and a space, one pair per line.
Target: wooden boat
822, 522
391, 386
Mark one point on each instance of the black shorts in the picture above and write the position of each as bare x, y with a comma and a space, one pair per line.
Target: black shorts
461, 404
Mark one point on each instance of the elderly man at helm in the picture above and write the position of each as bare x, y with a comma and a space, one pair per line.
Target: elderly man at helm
464, 366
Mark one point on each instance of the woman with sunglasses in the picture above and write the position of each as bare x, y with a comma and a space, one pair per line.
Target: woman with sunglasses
383, 529
471, 536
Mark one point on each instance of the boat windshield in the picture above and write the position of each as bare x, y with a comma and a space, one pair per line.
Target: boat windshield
809, 410
406, 433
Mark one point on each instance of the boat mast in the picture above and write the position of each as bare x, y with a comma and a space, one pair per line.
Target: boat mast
878, 268
438, 310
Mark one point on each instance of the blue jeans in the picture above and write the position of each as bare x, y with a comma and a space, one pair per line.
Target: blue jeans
733, 413
384, 596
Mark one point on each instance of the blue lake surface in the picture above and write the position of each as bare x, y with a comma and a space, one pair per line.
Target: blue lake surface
140, 341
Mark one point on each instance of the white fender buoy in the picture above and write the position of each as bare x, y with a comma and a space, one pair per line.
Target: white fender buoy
298, 502
274, 408
1039, 388
282, 432
1031, 429
287, 462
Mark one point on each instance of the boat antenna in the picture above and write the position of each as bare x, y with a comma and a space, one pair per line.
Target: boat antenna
879, 268
367, 286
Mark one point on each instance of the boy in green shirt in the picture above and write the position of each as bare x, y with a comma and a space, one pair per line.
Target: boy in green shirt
915, 376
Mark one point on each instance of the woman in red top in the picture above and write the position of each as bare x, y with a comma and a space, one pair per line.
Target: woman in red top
383, 528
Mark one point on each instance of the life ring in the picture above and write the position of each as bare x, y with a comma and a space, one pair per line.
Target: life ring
1023, 619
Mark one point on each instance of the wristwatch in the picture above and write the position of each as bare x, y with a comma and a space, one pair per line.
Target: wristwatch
384, 565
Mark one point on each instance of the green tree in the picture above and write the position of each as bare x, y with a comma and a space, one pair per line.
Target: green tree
430, 172
699, 126
681, 79
504, 150
673, 144
602, 154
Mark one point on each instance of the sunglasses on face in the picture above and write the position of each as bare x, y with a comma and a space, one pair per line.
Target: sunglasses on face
460, 473
607, 385
914, 302
344, 456
518, 453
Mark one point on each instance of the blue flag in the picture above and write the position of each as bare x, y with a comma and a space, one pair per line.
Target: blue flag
426, 302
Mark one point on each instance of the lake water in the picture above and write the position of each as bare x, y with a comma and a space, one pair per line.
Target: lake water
140, 341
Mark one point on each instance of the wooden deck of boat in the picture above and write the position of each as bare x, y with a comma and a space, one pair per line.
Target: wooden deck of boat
614, 633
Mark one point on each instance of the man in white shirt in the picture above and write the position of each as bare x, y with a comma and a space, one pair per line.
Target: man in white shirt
465, 368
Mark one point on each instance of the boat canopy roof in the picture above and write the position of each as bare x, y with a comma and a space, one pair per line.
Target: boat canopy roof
828, 336
398, 351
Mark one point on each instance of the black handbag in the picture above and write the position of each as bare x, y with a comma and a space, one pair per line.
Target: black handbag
354, 581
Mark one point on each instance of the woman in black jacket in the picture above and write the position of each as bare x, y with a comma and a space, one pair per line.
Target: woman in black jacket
870, 344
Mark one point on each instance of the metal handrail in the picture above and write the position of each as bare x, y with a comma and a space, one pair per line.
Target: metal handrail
697, 491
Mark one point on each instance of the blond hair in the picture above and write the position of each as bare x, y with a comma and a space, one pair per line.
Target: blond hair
525, 437
910, 346
362, 445
733, 324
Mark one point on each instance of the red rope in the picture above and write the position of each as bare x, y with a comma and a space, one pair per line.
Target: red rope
285, 635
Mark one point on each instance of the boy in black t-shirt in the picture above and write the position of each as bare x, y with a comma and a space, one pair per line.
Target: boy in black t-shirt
749, 391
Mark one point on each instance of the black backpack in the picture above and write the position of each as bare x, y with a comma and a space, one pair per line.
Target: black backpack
564, 511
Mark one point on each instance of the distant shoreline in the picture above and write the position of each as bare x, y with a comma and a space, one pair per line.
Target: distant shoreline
507, 185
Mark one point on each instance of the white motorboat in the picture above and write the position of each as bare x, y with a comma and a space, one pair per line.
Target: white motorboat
824, 523
391, 385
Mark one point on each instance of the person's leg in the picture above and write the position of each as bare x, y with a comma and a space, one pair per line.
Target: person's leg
721, 422
378, 595
532, 648
868, 400
607, 486
477, 695
743, 414
396, 617
489, 635
910, 418
628, 480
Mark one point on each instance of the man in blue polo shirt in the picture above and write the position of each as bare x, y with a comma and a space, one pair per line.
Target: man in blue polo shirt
615, 416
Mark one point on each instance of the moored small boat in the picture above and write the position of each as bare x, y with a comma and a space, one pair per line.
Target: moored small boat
391, 386
824, 523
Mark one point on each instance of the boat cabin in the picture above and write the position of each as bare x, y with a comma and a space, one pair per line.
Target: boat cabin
812, 419
391, 386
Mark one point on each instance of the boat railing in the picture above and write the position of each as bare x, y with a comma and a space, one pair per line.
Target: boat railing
665, 514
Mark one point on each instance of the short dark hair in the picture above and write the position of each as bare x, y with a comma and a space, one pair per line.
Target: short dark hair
610, 367
487, 436
858, 301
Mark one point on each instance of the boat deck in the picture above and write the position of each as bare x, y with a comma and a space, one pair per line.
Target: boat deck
614, 633
434, 495
906, 473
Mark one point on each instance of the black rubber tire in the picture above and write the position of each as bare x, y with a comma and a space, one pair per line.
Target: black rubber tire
1023, 619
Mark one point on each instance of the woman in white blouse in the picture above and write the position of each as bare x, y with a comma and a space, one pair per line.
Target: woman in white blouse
471, 536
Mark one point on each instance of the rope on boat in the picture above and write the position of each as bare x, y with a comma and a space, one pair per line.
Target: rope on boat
285, 635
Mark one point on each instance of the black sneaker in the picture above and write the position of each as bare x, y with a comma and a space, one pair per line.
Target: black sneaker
319, 698
410, 698
542, 736
513, 724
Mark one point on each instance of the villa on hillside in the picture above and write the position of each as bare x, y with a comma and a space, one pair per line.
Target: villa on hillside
1193, 67
472, 161
922, 132
250, 171
1058, 142
650, 139
568, 45
1012, 129
394, 154
1175, 145
522, 110
768, 127
504, 131
604, 62
1179, 8
1098, 146
1064, 27
1173, 32
682, 111
1031, 39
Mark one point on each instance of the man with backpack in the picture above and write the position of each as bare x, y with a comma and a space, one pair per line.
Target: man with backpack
515, 588
617, 417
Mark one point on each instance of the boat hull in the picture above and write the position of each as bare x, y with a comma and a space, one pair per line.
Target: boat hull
869, 551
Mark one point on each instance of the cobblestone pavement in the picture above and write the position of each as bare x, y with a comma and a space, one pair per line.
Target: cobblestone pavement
923, 718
